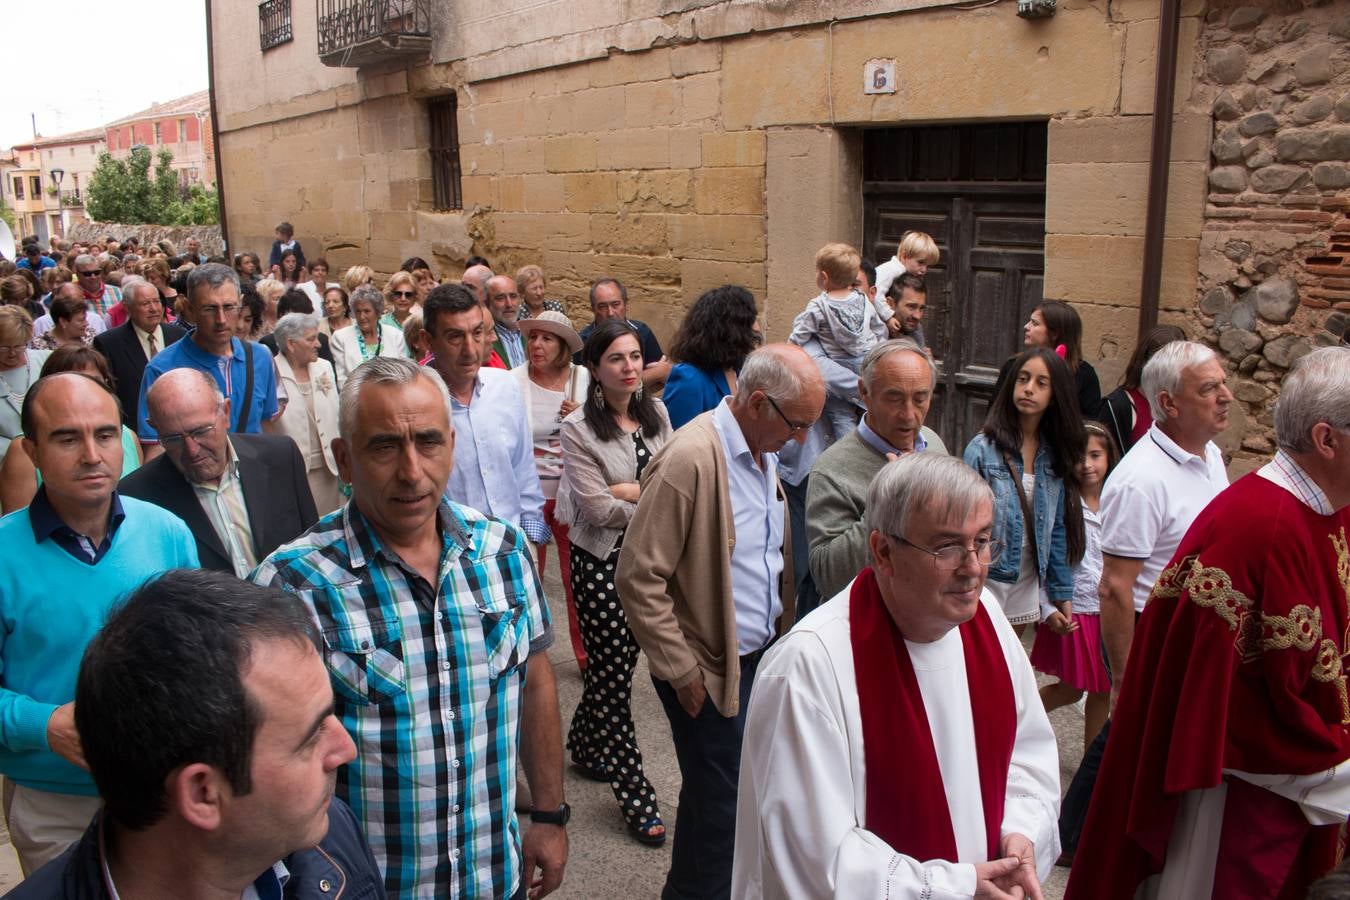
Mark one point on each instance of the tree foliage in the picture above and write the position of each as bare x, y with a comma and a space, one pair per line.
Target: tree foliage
7, 214
124, 190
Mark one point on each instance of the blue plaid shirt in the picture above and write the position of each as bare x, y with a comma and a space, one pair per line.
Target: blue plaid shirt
427, 679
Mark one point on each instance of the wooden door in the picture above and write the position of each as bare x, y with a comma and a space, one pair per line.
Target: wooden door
991, 237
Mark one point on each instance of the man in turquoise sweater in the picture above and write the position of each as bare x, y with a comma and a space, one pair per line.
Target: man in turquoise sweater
69, 557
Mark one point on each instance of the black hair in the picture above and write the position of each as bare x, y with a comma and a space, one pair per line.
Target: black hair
446, 300
346, 306
1061, 431
249, 297
905, 280
623, 291
718, 332
476, 261
286, 229
161, 685
293, 301
1065, 326
413, 263
641, 406
869, 269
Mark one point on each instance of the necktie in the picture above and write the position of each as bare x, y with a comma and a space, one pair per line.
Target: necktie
150, 339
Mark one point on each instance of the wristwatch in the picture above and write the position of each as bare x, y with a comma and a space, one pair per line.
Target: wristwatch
559, 816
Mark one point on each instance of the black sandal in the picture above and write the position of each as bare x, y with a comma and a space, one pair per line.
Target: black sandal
642, 832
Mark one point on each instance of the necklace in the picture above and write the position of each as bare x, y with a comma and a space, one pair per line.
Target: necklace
361, 343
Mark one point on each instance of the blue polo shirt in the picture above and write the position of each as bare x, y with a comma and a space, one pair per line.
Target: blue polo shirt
230, 375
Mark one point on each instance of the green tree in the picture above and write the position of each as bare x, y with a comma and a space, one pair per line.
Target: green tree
124, 191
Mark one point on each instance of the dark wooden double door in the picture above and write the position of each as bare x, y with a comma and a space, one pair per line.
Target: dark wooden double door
979, 190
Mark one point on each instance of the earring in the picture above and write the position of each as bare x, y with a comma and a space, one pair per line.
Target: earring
640, 389
599, 395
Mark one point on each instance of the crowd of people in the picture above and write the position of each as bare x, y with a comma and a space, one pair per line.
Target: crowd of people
274, 619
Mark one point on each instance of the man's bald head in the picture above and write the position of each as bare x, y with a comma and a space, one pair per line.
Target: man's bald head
192, 418
73, 434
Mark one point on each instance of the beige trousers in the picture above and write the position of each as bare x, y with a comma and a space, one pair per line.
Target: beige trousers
42, 824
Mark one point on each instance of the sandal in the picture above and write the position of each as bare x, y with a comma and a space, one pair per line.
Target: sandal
590, 772
645, 832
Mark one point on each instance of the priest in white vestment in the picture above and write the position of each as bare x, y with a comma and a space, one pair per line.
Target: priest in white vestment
895, 745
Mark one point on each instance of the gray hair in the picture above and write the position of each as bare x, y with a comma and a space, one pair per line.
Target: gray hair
942, 485
84, 259
292, 327
395, 370
210, 276
1164, 369
1316, 390
895, 345
133, 283
764, 371
367, 293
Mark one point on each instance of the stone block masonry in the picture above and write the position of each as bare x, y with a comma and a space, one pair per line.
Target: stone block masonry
1274, 263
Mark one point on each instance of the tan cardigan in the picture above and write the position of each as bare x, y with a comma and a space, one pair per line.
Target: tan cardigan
674, 576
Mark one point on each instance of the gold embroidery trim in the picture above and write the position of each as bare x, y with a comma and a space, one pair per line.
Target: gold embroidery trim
1328, 669
1210, 587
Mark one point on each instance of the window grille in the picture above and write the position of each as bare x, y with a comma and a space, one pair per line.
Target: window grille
274, 23
445, 173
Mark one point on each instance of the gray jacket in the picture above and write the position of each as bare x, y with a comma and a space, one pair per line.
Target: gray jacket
595, 517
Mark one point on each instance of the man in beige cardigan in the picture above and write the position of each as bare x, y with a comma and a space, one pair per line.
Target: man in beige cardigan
706, 585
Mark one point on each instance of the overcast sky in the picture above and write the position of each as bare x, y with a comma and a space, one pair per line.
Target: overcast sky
101, 62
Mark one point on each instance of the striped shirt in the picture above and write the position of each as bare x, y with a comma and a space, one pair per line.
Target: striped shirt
428, 680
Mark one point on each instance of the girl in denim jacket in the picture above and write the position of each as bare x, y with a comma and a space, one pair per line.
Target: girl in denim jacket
1028, 452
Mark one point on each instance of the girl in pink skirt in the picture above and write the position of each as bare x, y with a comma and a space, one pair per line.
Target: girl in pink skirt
1069, 637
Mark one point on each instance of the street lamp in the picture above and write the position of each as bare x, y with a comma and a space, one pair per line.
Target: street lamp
59, 175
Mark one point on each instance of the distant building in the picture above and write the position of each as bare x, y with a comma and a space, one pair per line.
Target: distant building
181, 126
74, 156
21, 173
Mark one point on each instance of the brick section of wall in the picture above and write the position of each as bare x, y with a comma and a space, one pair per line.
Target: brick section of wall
1274, 264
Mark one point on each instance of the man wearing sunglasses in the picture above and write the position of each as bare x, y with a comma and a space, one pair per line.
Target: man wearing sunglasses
705, 578
101, 297
895, 745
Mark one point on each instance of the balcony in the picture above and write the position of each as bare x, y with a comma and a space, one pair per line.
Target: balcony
362, 32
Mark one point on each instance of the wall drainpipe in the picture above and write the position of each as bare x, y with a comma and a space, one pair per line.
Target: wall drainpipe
1160, 156
215, 131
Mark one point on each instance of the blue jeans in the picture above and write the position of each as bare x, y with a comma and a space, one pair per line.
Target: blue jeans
708, 748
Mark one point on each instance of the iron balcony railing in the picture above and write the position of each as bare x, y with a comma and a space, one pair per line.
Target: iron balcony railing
274, 23
357, 32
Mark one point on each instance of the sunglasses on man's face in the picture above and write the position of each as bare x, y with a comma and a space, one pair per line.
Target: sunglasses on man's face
91, 274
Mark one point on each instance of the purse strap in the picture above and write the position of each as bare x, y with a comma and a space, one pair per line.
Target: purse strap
1028, 520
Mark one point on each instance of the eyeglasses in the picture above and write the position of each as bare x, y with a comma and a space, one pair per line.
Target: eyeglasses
176, 440
950, 557
212, 312
793, 427
97, 273
13, 349
403, 293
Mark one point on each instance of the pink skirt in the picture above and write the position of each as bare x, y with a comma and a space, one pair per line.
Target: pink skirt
1075, 658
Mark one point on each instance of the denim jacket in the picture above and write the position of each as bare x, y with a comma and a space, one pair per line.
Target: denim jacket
1047, 507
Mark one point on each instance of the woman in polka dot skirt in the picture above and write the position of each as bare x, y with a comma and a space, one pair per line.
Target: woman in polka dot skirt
605, 446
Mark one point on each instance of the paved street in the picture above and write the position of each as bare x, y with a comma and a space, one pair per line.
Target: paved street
605, 863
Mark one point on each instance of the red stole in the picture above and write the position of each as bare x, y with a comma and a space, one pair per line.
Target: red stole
906, 801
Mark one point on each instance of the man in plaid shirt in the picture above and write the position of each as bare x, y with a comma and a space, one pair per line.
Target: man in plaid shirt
431, 614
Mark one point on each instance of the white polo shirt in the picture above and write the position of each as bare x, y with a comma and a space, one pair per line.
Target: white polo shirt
1152, 498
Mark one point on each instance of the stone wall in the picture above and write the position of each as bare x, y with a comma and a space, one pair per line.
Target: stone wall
725, 149
209, 235
1274, 260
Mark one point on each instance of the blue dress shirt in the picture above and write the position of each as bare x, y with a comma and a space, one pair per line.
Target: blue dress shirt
757, 513
494, 470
